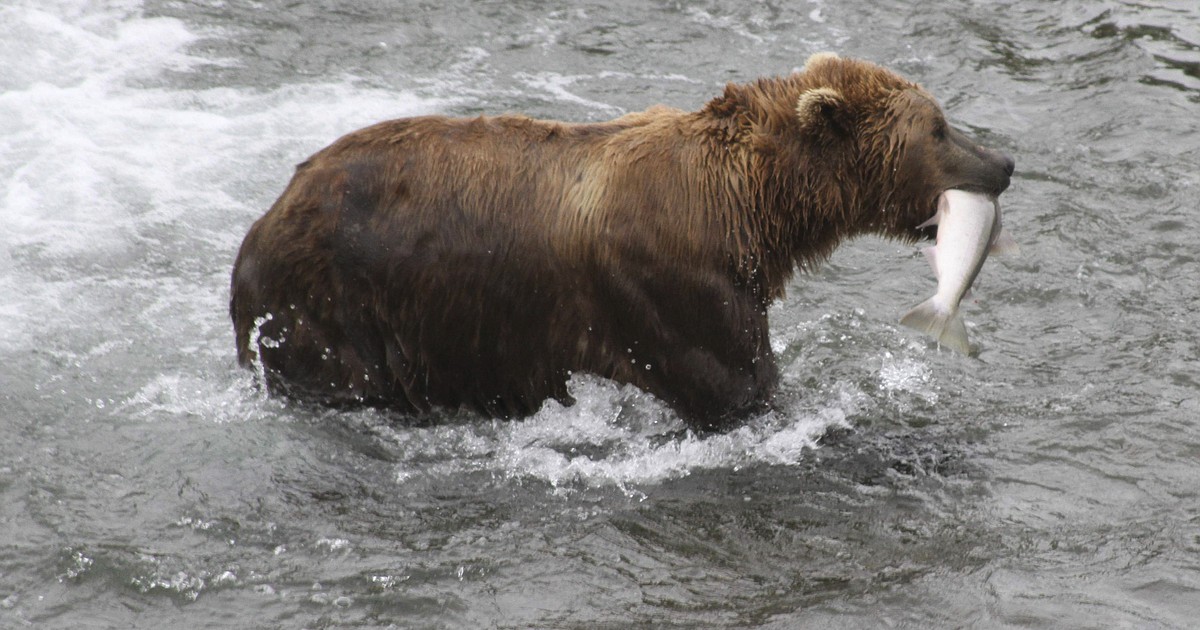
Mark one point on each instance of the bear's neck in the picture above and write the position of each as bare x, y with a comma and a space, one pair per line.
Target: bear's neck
798, 203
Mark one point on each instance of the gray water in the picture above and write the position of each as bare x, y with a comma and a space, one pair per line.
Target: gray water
145, 481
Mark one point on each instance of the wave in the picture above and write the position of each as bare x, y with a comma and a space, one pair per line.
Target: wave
614, 436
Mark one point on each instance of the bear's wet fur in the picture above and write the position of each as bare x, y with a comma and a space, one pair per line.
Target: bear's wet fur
479, 262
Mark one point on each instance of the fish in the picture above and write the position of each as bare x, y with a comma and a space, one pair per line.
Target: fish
969, 228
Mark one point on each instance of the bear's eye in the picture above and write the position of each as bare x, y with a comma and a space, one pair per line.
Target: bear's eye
939, 131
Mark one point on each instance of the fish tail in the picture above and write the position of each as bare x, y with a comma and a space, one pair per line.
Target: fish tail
943, 324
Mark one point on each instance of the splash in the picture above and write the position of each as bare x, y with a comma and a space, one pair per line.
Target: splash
220, 397
616, 436
907, 377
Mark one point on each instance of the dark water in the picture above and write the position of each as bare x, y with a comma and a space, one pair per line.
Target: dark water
1051, 482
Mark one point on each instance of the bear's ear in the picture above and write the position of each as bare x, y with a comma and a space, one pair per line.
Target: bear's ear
819, 108
817, 59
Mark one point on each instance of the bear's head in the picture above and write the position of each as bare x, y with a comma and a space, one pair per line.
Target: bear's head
893, 138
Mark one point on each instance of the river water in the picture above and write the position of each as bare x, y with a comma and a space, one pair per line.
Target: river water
1053, 481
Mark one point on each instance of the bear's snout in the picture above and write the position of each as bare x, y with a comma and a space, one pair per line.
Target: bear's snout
979, 168
1007, 166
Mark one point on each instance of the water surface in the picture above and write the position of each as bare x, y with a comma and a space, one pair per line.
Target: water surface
1049, 482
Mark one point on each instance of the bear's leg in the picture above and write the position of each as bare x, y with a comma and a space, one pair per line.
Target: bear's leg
713, 393
694, 339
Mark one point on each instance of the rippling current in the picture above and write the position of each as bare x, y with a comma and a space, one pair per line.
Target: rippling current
145, 482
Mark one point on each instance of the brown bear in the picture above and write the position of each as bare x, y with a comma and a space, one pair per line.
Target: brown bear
479, 262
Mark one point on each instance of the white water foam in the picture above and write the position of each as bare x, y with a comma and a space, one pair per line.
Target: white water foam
88, 165
616, 436
214, 400
75, 135
907, 376
106, 174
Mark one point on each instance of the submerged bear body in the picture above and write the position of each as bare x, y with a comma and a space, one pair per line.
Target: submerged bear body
480, 262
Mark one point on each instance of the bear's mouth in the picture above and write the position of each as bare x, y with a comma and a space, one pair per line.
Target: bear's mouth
989, 192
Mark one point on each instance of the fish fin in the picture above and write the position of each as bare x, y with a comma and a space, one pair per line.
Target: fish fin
931, 256
1004, 244
955, 336
940, 323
